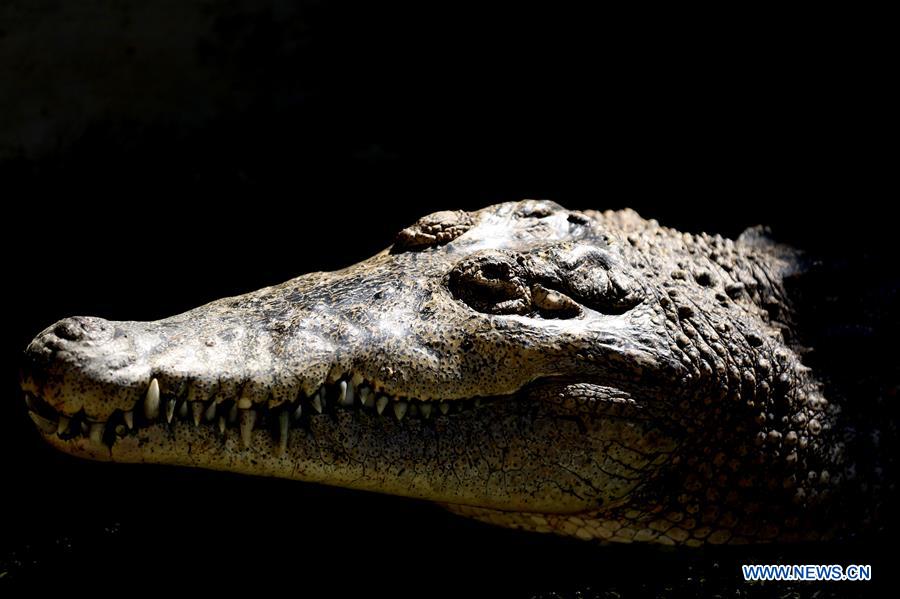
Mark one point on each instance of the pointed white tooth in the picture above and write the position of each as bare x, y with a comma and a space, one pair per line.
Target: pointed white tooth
367, 397
356, 380
232, 413
283, 430
400, 408
299, 411
196, 412
210, 414
183, 410
151, 402
45, 425
381, 403
316, 402
222, 424
346, 395
170, 410
248, 419
96, 433
444, 407
84, 428
129, 419
63, 425
426, 410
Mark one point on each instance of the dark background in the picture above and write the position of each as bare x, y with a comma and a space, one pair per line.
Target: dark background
158, 158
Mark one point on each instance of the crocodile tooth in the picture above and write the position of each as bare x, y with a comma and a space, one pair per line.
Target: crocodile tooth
232, 413
444, 407
356, 379
299, 411
84, 427
151, 403
183, 410
342, 393
381, 403
283, 430
129, 419
348, 396
222, 424
210, 414
96, 433
45, 425
244, 403
367, 397
196, 412
29, 401
248, 419
63, 425
170, 410
316, 402
400, 408
425, 408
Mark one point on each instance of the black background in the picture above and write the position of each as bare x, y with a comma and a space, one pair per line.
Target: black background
368, 119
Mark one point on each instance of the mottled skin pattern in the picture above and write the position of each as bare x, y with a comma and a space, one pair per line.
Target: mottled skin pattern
640, 384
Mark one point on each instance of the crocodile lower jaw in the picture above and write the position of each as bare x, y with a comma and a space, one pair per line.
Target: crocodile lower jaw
240, 417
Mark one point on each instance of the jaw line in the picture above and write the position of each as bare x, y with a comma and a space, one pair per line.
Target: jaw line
249, 419
359, 449
82, 433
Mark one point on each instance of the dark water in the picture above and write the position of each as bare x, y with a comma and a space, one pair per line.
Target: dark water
149, 166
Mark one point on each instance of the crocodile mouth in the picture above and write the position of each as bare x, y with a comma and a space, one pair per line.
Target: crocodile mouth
531, 449
240, 417
553, 445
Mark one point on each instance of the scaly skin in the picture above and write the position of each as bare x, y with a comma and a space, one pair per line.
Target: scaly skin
639, 384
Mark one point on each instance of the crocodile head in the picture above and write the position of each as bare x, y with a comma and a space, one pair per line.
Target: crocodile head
593, 374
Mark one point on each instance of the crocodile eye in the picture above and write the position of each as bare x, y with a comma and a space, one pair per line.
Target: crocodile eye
552, 303
492, 283
500, 283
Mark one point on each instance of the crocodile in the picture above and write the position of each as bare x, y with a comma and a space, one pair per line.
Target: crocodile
587, 373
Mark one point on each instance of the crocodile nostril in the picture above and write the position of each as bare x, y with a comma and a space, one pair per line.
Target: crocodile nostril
80, 328
70, 329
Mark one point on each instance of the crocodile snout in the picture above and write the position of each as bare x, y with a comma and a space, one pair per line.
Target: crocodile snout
84, 360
